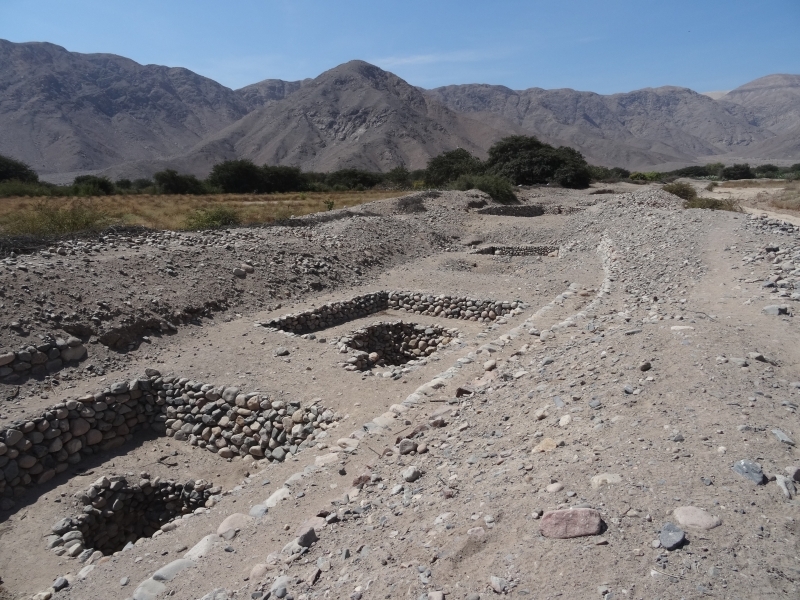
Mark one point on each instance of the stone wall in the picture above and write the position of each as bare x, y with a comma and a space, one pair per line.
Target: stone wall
221, 419
336, 313
393, 343
116, 512
517, 250
528, 210
452, 307
513, 210
40, 359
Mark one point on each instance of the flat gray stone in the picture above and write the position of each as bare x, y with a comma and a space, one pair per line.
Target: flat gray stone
776, 310
782, 437
671, 536
751, 470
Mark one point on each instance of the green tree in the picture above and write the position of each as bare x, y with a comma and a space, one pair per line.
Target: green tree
11, 169
90, 185
525, 160
280, 179
399, 176
237, 177
451, 165
737, 172
172, 182
353, 179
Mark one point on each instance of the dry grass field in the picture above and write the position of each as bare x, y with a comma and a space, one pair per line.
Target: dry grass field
63, 215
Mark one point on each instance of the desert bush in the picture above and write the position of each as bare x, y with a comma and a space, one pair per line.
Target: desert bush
16, 170
682, 190
213, 218
497, 187
51, 217
172, 182
711, 186
737, 172
451, 165
713, 204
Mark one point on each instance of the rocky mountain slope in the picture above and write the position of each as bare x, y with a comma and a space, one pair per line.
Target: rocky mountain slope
636, 129
355, 115
775, 102
65, 112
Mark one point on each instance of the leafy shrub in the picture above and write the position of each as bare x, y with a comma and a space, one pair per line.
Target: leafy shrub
123, 184
524, 160
608, 175
710, 187
16, 170
451, 165
697, 171
737, 172
648, 176
53, 217
497, 187
328, 204
213, 218
171, 182
682, 190
142, 184
14, 187
713, 204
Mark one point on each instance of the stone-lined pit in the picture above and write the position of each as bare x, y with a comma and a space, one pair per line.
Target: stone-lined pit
393, 343
116, 512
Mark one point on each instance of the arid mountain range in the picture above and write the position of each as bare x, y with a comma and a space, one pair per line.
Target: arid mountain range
66, 113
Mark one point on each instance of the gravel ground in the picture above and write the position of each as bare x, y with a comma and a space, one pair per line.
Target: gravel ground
589, 447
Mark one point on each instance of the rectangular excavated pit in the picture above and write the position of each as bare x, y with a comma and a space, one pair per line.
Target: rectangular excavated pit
394, 343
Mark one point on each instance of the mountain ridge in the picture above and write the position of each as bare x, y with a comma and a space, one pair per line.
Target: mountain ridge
66, 113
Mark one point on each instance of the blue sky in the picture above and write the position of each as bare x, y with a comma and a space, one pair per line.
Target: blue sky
605, 46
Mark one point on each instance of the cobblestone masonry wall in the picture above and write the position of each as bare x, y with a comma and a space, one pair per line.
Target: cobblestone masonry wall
40, 359
517, 250
221, 419
527, 210
336, 313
